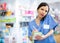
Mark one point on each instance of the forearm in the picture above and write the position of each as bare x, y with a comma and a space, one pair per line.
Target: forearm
49, 33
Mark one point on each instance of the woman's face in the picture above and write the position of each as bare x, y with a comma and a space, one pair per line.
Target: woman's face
42, 11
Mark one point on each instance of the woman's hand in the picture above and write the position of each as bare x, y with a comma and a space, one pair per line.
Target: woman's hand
40, 37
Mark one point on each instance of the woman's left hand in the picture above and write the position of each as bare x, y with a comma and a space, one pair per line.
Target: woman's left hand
40, 37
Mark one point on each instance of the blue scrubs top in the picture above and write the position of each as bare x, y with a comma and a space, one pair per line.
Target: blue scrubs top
45, 26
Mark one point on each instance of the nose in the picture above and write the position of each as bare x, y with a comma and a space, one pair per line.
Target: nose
43, 12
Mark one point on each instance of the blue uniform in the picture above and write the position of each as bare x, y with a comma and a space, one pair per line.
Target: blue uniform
45, 26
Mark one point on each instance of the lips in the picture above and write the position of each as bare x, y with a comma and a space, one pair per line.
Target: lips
42, 14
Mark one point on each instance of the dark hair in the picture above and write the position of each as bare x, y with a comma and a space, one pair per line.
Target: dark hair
43, 4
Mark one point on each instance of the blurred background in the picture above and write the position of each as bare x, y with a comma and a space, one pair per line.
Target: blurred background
16, 14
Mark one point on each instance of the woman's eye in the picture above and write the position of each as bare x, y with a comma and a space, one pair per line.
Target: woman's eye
46, 11
42, 9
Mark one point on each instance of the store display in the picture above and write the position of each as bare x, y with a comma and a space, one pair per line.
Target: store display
7, 21
6, 40
23, 24
13, 40
1, 37
18, 15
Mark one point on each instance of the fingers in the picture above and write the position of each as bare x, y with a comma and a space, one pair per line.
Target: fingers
38, 37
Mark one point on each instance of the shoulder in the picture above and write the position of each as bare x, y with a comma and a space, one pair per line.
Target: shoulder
49, 17
32, 22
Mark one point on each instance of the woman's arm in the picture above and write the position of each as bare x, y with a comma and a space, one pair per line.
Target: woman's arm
49, 33
45, 36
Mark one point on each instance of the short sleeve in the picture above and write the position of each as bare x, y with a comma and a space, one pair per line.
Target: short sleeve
29, 30
52, 23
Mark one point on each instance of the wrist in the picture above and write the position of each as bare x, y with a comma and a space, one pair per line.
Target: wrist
45, 36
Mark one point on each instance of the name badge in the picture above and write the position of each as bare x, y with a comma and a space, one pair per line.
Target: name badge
46, 26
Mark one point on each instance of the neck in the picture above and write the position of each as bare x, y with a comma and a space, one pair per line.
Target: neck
38, 18
37, 21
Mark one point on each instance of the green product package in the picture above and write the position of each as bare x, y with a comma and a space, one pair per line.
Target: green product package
35, 34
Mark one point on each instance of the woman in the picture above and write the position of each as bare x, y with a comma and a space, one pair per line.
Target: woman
44, 23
